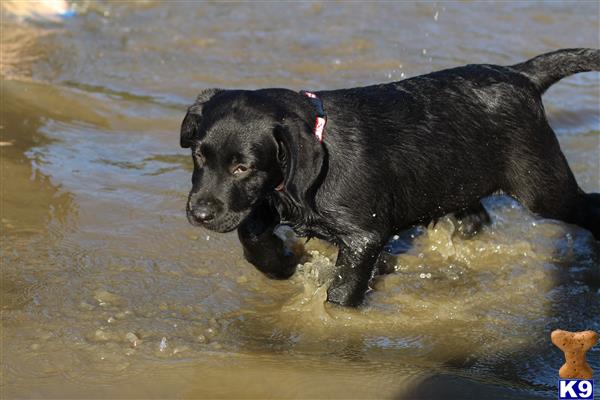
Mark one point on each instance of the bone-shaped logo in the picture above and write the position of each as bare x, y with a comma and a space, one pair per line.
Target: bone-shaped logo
574, 345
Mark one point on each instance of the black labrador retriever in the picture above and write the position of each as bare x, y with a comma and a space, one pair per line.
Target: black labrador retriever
390, 156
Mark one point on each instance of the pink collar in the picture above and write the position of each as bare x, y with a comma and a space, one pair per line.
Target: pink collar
321, 119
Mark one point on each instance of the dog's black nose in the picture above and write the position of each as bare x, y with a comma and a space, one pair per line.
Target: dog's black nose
203, 213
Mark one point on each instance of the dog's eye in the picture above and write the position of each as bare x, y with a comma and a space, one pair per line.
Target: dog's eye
240, 169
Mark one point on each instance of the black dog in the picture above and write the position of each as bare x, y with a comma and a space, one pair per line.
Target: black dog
391, 156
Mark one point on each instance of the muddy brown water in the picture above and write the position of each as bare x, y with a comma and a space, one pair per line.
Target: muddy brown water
108, 292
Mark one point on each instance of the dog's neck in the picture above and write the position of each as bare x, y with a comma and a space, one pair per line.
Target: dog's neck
320, 122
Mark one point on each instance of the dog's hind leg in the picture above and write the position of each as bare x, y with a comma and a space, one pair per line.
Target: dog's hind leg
471, 220
540, 179
591, 213
573, 207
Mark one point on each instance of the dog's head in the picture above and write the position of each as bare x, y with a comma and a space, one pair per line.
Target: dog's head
245, 146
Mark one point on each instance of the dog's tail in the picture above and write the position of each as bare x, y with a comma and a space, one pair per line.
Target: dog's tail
589, 213
547, 69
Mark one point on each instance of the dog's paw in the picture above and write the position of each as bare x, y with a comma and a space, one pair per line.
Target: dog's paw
470, 222
467, 229
345, 294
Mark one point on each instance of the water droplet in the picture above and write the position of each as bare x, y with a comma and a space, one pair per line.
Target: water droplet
163, 344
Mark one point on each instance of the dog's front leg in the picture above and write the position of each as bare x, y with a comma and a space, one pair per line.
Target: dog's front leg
262, 248
354, 268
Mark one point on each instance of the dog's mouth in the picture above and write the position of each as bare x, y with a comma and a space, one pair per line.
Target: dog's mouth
223, 223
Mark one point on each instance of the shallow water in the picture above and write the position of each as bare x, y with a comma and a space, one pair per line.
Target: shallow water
108, 291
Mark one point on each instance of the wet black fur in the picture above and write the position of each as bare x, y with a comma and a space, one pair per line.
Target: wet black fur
394, 155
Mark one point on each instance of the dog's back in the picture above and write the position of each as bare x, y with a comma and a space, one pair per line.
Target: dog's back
440, 142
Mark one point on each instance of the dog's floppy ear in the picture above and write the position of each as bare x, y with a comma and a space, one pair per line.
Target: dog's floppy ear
303, 159
192, 119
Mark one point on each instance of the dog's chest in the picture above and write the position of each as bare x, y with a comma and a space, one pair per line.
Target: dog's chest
311, 231
308, 227
304, 221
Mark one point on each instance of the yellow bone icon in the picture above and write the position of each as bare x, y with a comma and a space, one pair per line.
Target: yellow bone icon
574, 345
